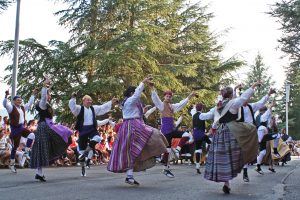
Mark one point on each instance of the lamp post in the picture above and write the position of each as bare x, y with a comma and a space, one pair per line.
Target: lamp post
287, 99
16, 51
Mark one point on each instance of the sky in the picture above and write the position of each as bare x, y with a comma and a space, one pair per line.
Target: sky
251, 31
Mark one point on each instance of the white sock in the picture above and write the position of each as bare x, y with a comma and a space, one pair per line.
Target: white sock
90, 155
129, 173
260, 157
39, 171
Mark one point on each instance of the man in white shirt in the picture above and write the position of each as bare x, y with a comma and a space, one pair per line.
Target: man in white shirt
167, 110
264, 136
247, 115
16, 113
87, 124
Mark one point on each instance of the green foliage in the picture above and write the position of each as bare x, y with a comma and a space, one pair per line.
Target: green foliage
4, 5
288, 15
115, 44
258, 71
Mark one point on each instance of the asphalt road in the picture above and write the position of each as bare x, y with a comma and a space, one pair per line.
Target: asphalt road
66, 183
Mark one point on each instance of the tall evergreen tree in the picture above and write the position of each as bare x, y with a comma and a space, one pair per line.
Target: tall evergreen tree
259, 71
288, 15
122, 41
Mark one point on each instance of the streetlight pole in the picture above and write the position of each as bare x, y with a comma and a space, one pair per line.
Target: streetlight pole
287, 99
16, 51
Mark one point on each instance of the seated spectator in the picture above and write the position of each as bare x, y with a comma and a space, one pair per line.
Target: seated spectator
4, 148
101, 148
72, 150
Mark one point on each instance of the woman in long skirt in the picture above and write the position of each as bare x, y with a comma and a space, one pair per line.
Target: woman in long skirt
51, 140
137, 144
234, 143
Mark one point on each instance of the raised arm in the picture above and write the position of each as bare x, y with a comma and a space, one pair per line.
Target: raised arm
193, 111
103, 109
239, 101
259, 104
179, 106
266, 116
207, 116
156, 100
7, 105
29, 103
102, 122
75, 109
149, 112
179, 120
138, 92
44, 96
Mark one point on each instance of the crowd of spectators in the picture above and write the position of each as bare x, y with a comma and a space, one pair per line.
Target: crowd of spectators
69, 158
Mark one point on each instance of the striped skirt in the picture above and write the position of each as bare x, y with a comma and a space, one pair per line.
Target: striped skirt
132, 138
48, 145
225, 159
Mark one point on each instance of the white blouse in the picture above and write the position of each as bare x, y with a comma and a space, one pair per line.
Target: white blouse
237, 103
255, 107
131, 108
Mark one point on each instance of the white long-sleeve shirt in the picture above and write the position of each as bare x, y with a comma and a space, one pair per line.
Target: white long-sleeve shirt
88, 114
9, 108
261, 132
105, 121
131, 108
160, 105
266, 117
236, 104
255, 107
149, 112
44, 98
179, 120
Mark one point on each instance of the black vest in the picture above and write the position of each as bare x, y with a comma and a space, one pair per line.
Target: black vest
285, 137
243, 115
228, 117
198, 123
43, 114
80, 119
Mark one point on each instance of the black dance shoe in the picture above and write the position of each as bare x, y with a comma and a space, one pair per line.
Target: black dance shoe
245, 178
131, 181
41, 178
226, 189
272, 170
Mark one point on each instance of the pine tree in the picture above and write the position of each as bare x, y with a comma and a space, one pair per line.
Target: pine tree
115, 42
259, 71
288, 15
